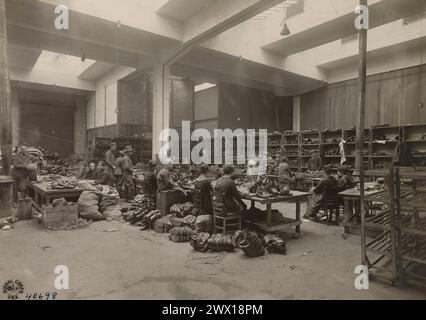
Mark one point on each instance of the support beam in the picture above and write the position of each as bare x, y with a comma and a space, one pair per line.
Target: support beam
362, 85
5, 109
161, 105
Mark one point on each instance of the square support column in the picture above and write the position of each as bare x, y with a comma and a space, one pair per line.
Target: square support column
161, 105
296, 114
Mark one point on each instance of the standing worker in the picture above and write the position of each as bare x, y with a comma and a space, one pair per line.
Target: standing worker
110, 162
118, 173
128, 183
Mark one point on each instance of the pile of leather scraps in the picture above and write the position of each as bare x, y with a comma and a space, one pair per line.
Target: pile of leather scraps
182, 210
221, 242
7, 223
204, 224
139, 207
80, 223
275, 244
62, 184
255, 214
250, 243
200, 241
181, 234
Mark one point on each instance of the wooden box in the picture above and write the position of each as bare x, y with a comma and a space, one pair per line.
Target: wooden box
65, 213
165, 200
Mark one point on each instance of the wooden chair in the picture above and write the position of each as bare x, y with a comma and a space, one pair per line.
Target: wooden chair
332, 205
223, 220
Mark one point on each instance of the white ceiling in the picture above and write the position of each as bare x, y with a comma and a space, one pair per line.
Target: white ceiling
182, 9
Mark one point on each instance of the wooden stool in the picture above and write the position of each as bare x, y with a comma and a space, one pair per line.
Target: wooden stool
227, 220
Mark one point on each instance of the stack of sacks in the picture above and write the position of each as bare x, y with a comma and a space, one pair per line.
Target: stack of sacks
200, 241
204, 223
275, 244
182, 210
250, 243
163, 225
187, 221
181, 234
221, 242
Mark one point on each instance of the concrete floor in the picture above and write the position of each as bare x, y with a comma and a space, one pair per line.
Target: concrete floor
134, 264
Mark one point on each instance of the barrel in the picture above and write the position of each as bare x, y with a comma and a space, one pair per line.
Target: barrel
5, 196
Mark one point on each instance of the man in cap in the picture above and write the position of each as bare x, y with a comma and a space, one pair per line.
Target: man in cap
128, 183
110, 162
150, 180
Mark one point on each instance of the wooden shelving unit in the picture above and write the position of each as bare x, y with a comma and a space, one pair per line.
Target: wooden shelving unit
414, 145
330, 147
291, 149
309, 141
384, 142
349, 136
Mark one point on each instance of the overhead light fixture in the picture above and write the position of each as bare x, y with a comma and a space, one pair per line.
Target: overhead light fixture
285, 31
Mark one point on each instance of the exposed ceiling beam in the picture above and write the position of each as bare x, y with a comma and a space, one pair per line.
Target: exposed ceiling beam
325, 30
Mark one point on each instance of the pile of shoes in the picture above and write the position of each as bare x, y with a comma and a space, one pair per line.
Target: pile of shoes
275, 244
181, 234
204, 223
221, 242
250, 243
200, 241
182, 210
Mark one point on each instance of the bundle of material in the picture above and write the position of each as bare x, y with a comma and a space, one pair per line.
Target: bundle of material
250, 243
204, 223
181, 234
163, 225
187, 221
275, 244
62, 184
149, 219
255, 214
200, 241
221, 242
80, 223
88, 206
182, 210
140, 207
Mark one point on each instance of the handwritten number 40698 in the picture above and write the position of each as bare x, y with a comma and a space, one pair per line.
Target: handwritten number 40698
41, 296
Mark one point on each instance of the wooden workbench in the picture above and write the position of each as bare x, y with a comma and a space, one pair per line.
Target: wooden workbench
296, 197
352, 207
42, 196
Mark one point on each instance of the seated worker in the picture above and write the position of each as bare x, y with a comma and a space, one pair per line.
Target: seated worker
102, 176
346, 180
90, 172
327, 187
286, 178
314, 163
164, 182
203, 184
150, 179
226, 185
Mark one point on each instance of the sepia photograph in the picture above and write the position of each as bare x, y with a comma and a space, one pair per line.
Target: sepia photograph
213, 158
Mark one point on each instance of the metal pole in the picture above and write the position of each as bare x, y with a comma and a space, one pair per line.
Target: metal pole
362, 78
5, 108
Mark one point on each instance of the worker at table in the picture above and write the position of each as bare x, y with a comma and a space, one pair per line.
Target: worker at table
346, 180
128, 183
286, 178
89, 173
102, 175
150, 179
110, 161
203, 184
314, 163
164, 181
327, 187
226, 185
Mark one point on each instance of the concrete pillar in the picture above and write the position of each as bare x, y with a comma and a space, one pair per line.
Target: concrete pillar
296, 114
16, 117
5, 109
161, 105
80, 127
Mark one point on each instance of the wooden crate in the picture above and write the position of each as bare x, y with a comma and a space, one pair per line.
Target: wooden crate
166, 199
66, 213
